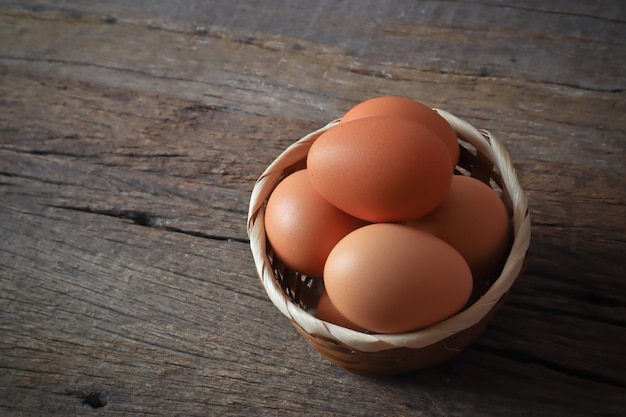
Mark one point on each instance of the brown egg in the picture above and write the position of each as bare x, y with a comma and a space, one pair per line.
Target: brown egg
409, 109
380, 169
474, 221
391, 278
328, 312
303, 227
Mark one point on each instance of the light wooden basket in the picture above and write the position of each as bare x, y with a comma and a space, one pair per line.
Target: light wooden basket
295, 295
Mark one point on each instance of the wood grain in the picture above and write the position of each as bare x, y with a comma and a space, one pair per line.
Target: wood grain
131, 135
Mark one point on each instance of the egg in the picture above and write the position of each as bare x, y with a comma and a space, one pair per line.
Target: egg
391, 278
474, 220
302, 227
409, 109
380, 169
327, 311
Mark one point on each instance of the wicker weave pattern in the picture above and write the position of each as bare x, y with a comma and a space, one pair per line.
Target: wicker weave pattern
482, 157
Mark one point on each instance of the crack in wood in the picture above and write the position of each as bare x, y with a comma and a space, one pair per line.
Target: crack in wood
205, 235
50, 152
100, 66
29, 177
146, 219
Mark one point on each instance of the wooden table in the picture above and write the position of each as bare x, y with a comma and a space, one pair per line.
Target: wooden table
131, 135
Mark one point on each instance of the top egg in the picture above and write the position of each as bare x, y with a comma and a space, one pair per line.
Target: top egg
380, 169
412, 110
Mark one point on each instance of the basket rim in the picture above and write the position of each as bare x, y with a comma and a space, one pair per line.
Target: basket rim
488, 146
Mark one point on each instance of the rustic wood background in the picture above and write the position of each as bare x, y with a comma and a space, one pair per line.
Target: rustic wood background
131, 134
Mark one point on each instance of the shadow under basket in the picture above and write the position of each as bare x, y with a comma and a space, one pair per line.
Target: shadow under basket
295, 295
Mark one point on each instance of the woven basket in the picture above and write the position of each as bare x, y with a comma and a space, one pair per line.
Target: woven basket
295, 295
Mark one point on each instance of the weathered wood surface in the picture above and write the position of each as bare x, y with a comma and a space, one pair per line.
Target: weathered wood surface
131, 134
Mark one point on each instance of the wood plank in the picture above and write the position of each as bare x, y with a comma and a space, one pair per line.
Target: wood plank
534, 119
160, 335
131, 136
558, 42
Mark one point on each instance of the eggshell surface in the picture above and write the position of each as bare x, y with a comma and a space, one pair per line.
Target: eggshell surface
391, 278
380, 169
472, 219
412, 110
303, 227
